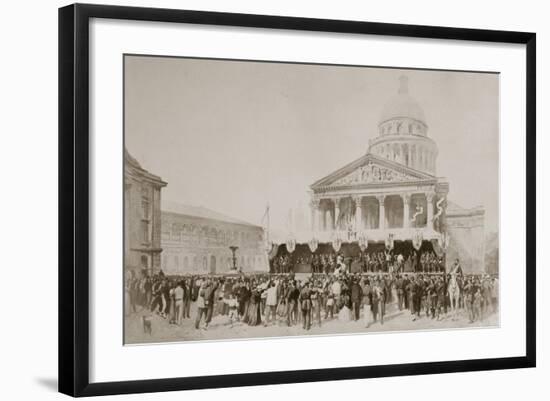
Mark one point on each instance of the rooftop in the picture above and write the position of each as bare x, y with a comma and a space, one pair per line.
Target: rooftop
201, 212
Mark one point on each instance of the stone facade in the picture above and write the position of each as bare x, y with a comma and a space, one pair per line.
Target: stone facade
393, 192
142, 220
466, 228
196, 241
375, 197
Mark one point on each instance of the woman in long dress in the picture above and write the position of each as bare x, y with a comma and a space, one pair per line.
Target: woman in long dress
220, 304
254, 313
243, 296
172, 318
345, 313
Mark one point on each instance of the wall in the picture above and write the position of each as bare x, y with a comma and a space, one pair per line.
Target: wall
467, 242
28, 159
190, 243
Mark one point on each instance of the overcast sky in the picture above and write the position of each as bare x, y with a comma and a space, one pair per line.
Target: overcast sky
233, 136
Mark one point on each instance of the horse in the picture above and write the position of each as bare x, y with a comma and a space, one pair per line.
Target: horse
453, 290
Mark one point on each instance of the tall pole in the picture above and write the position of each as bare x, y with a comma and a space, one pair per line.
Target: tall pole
267, 216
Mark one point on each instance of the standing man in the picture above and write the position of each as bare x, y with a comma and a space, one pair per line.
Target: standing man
271, 304
367, 296
209, 299
179, 295
305, 306
201, 306
187, 299
292, 301
399, 290
356, 297
336, 289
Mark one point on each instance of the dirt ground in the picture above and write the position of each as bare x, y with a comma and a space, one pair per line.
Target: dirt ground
221, 329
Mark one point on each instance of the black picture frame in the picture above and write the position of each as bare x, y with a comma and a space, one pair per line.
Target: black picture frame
74, 194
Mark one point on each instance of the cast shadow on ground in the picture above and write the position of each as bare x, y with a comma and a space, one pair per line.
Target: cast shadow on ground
49, 383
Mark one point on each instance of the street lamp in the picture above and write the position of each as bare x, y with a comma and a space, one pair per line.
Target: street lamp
233, 250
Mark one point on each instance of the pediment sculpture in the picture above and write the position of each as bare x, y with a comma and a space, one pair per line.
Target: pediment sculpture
372, 173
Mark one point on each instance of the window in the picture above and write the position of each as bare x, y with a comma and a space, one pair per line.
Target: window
145, 208
144, 231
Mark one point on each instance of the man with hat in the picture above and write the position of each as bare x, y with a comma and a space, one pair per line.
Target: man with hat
356, 297
305, 305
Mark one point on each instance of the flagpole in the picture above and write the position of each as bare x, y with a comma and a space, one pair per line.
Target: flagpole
267, 213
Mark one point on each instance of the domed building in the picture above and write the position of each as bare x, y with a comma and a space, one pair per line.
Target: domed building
403, 133
393, 195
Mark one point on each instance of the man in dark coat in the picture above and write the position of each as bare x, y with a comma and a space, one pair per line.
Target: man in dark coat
400, 291
305, 305
356, 298
292, 300
209, 299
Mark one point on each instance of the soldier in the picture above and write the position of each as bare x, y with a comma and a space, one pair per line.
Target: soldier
367, 301
400, 291
468, 293
292, 300
316, 298
356, 297
305, 306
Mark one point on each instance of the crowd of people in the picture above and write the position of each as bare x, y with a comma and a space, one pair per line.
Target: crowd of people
366, 262
267, 299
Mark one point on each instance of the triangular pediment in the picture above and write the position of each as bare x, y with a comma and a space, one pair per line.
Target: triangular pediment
371, 169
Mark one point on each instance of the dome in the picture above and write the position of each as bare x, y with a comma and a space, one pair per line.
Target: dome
402, 105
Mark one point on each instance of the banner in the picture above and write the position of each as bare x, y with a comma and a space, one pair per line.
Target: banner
336, 244
313, 244
417, 240
389, 242
363, 242
441, 244
274, 251
444, 240
437, 248
290, 245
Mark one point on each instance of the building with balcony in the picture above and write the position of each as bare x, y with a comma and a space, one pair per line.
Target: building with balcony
393, 192
142, 196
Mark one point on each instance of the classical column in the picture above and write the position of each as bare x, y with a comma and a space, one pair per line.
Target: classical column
430, 209
406, 209
336, 212
327, 220
321, 218
381, 212
358, 213
314, 205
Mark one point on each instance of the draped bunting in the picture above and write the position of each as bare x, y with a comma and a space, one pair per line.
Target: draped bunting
290, 245
439, 208
336, 244
363, 242
389, 242
273, 252
417, 240
313, 244
437, 248
441, 244
419, 212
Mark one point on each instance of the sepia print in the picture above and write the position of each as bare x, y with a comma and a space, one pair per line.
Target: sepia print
271, 199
